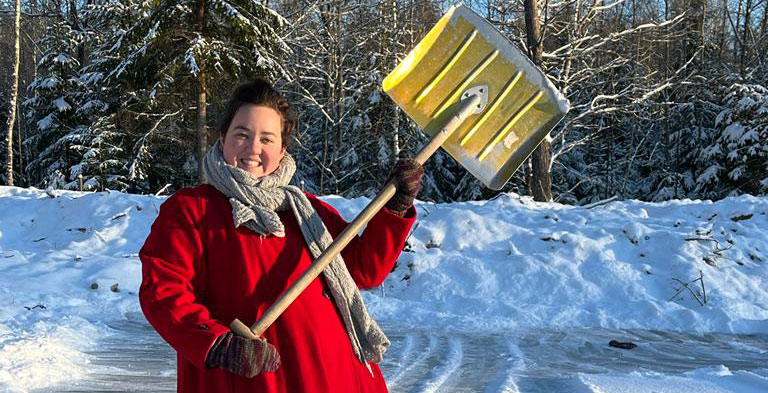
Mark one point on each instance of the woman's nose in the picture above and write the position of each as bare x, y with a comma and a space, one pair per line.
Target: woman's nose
255, 146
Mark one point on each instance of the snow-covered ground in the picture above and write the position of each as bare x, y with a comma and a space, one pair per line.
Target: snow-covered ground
532, 292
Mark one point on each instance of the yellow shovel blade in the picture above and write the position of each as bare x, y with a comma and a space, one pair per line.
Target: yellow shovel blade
462, 51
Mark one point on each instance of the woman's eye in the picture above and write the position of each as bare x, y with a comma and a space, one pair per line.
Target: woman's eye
266, 140
242, 135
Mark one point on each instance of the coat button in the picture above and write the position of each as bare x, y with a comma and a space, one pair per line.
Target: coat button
202, 326
326, 294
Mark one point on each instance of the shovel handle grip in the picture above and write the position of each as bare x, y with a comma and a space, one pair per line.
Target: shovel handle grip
465, 109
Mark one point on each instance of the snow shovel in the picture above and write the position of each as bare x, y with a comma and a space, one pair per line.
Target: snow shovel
462, 68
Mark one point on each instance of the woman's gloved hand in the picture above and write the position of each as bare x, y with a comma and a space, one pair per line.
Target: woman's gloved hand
243, 356
407, 174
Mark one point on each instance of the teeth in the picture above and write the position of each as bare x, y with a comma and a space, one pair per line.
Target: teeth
250, 163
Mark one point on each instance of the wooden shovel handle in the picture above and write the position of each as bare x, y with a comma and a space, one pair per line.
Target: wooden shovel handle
465, 108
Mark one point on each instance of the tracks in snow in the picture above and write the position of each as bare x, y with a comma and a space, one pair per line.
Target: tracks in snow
428, 361
135, 359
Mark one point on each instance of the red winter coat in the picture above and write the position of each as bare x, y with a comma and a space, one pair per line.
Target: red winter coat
200, 272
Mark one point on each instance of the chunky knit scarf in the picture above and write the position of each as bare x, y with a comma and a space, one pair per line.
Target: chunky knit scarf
255, 203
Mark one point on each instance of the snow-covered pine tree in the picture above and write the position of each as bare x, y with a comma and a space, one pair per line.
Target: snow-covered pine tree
738, 158
54, 96
693, 123
167, 65
100, 149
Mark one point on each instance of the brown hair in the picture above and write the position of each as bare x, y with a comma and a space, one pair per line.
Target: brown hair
259, 92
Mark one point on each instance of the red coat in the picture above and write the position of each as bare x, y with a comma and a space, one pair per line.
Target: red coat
199, 273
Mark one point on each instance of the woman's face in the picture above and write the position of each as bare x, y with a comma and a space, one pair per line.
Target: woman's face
254, 141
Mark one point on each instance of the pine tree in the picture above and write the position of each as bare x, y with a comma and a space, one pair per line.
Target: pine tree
54, 96
739, 157
166, 64
695, 130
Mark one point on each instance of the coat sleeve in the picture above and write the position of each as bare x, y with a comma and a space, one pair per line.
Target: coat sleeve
370, 256
174, 280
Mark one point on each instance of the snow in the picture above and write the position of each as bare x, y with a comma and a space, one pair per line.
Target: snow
197, 46
232, 12
734, 132
152, 33
714, 380
93, 106
120, 33
374, 98
46, 122
91, 78
710, 174
48, 354
69, 269
50, 82
508, 263
61, 104
62, 58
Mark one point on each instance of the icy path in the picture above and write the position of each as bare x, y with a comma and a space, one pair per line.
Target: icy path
420, 361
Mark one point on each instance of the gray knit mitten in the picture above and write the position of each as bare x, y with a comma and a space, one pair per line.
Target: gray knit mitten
243, 356
407, 174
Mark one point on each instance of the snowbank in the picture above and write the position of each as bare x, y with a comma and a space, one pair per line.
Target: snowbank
510, 263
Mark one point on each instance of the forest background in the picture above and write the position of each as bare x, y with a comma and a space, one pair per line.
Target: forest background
669, 98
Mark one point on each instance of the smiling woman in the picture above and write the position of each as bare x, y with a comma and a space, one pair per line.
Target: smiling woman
254, 140
228, 249
256, 128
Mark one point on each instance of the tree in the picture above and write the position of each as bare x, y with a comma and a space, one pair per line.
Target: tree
737, 161
165, 67
541, 159
604, 60
350, 133
14, 96
141, 81
52, 109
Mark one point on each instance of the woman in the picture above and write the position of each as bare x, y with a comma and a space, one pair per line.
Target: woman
229, 248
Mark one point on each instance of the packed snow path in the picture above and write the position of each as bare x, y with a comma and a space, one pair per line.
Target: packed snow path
135, 359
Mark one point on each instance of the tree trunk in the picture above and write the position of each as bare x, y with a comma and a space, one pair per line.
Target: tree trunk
693, 30
77, 24
745, 36
202, 115
723, 28
395, 108
738, 53
541, 159
764, 24
14, 95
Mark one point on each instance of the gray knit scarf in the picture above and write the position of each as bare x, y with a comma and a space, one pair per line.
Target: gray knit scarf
255, 203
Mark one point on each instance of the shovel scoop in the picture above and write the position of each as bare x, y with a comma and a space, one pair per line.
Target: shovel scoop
462, 51
476, 95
